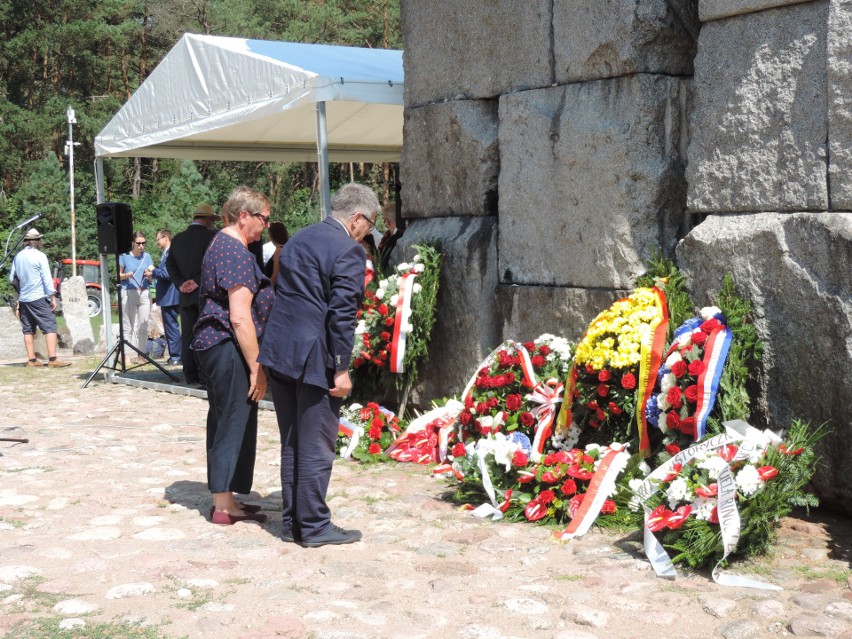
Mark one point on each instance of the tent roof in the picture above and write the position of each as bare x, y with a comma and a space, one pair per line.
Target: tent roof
234, 99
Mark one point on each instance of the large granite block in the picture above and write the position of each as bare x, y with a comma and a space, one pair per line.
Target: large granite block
795, 270
840, 104
475, 48
529, 311
759, 128
75, 309
596, 39
716, 9
466, 329
591, 180
450, 160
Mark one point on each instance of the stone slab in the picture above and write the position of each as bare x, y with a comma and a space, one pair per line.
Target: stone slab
11, 338
591, 179
475, 48
75, 309
716, 9
595, 39
466, 329
795, 270
759, 128
450, 160
525, 312
840, 104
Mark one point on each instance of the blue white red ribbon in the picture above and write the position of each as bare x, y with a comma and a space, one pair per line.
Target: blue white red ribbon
715, 353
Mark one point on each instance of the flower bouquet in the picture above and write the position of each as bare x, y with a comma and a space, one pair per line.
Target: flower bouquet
724, 496
394, 325
615, 367
365, 432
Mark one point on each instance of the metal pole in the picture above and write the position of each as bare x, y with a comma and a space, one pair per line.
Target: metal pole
72, 120
106, 310
322, 159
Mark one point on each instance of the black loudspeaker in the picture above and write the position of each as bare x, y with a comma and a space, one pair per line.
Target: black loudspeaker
115, 227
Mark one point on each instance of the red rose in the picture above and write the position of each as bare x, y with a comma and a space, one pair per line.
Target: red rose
601, 416
374, 449
699, 337
508, 378
358, 362
608, 507
592, 405
375, 433
459, 450
530, 346
492, 402
569, 487
468, 402
691, 393
710, 325
377, 422
590, 369
550, 459
673, 420
628, 381
594, 423
383, 310
546, 496
615, 409
369, 294
679, 368
385, 336
359, 314
672, 449
696, 368
466, 418
514, 402
519, 459
544, 349
674, 397
504, 359
481, 408
527, 419
603, 390
687, 426
483, 430
538, 361
604, 375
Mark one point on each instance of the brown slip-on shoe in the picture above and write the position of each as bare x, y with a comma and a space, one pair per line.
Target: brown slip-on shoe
58, 363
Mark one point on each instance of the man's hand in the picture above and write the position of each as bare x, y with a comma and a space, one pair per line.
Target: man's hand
53, 304
342, 384
188, 286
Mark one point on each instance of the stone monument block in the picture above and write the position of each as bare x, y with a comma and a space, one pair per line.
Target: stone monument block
475, 48
450, 160
11, 339
525, 312
75, 309
759, 128
466, 328
716, 9
795, 270
840, 104
591, 180
596, 39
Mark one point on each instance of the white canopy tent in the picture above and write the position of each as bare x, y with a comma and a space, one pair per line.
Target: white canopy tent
223, 98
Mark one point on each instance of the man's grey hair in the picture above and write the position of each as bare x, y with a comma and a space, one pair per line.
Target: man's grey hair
351, 198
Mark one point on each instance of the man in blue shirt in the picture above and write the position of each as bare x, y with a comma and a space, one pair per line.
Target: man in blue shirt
36, 299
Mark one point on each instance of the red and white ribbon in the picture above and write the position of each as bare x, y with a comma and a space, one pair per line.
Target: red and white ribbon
548, 395
401, 322
353, 432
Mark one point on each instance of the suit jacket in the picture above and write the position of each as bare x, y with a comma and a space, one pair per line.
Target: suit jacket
167, 293
184, 260
311, 329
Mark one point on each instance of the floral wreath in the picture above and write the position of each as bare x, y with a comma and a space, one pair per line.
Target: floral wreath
365, 432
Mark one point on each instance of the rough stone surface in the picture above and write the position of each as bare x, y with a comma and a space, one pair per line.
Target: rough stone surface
811, 625
759, 127
75, 310
714, 9
474, 49
595, 39
11, 338
525, 312
439, 139
794, 269
840, 104
467, 328
507, 580
591, 178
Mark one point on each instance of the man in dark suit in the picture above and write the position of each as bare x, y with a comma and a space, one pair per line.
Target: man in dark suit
168, 298
307, 347
391, 236
184, 266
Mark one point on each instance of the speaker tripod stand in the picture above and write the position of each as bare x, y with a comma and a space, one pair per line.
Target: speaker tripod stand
117, 352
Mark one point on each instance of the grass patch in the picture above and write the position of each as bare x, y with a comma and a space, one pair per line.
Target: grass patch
838, 574
49, 629
569, 577
16, 523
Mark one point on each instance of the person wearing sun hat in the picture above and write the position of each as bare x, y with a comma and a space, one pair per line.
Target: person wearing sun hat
36, 299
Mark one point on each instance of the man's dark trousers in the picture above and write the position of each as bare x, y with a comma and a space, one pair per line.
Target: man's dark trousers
308, 421
188, 318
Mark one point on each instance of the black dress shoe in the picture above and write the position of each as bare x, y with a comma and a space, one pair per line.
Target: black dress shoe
334, 537
289, 536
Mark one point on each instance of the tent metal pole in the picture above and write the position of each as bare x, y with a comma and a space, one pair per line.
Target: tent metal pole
106, 310
322, 159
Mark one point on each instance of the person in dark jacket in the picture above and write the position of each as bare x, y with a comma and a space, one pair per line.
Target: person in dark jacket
168, 297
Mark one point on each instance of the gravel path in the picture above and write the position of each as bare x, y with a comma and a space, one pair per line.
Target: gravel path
103, 519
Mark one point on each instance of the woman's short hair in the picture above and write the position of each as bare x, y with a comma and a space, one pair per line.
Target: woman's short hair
243, 198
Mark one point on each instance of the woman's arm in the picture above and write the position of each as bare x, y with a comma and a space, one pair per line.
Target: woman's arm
239, 302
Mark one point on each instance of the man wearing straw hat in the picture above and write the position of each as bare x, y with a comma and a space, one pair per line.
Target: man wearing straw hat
36, 299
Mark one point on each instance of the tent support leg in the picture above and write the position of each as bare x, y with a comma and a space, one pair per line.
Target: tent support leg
106, 310
322, 160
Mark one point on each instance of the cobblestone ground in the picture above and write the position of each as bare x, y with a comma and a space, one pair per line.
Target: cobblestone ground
103, 518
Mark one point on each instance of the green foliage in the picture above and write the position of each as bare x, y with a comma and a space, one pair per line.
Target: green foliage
663, 270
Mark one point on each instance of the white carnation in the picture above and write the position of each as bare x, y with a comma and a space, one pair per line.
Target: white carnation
418, 268
394, 299
748, 480
404, 266
709, 311
677, 492
663, 402
361, 327
668, 382
713, 464
380, 293
673, 359
702, 507
416, 288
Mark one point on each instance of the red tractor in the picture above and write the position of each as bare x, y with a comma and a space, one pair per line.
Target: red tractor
91, 272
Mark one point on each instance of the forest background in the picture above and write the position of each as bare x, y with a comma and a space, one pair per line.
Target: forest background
92, 55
